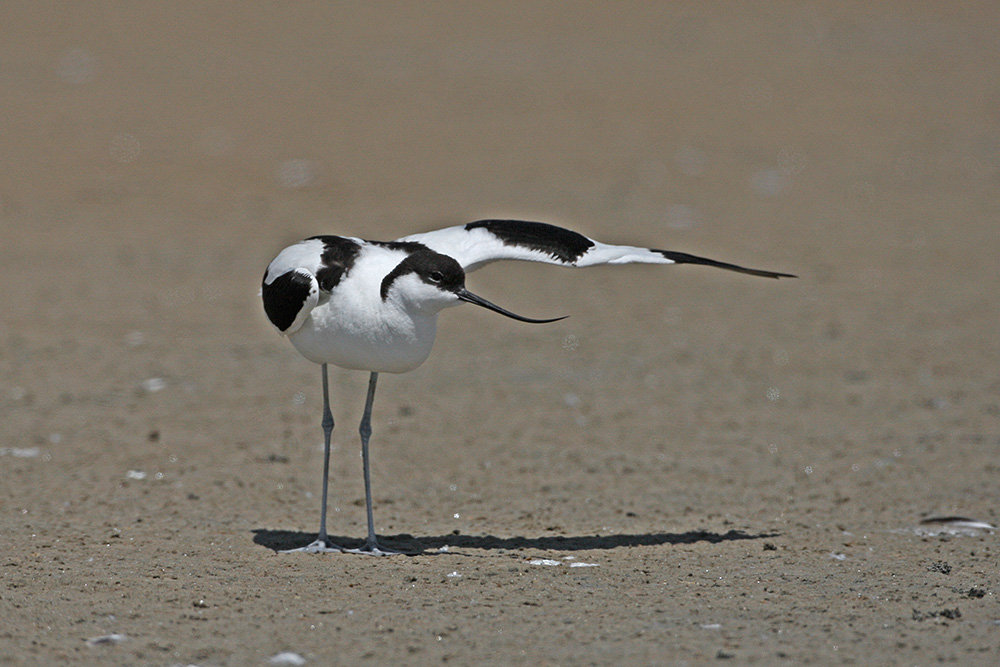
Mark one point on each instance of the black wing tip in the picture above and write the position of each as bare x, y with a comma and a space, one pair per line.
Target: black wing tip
685, 258
770, 274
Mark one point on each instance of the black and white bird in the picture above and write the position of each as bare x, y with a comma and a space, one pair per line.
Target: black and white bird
373, 305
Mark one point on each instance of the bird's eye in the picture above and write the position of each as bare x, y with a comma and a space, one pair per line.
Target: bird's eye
436, 276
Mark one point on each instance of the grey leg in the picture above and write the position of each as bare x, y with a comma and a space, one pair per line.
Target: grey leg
371, 544
322, 542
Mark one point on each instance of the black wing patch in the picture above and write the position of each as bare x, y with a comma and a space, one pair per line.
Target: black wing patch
684, 258
406, 246
564, 245
284, 298
337, 259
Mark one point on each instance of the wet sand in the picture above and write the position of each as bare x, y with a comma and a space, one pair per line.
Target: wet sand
696, 465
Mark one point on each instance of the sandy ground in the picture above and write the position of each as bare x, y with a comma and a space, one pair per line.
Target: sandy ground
695, 466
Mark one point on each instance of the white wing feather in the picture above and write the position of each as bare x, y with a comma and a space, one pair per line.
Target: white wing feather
475, 248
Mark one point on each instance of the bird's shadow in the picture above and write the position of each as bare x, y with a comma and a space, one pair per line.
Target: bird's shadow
281, 540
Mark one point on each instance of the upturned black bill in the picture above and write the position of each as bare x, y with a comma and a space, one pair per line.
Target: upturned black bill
466, 295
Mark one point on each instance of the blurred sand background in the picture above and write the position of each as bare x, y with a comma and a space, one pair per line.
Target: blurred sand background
744, 462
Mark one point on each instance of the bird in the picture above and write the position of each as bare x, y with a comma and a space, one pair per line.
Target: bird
373, 305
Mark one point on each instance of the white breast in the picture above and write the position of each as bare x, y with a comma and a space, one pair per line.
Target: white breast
354, 328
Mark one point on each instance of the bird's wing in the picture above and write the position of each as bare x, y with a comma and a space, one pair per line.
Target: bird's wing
478, 243
296, 278
289, 298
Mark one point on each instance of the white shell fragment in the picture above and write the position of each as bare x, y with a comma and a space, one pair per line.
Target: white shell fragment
953, 525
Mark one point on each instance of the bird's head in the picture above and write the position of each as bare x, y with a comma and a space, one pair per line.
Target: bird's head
427, 280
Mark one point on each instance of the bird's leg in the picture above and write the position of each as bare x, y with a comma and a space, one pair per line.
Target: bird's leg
371, 544
322, 542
